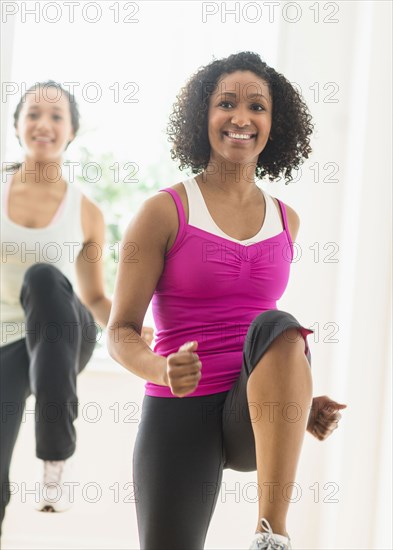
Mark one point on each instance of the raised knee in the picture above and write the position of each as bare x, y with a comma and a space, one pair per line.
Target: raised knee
41, 276
40, 272
291, 339
278, 327
269, 324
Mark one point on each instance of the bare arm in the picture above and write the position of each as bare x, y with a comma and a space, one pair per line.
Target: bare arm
142, 256
89, 264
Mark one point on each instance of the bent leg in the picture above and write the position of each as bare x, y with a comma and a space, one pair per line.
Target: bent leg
60, 336
281, 378
177, 466
14, 389
275, 386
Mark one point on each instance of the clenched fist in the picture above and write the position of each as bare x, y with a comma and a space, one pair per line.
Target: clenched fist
324, 417
184, 370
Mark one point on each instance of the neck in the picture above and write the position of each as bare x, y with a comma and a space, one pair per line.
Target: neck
33, 171
230, 179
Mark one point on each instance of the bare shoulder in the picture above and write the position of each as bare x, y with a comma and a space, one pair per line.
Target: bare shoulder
292, 217
163, 208
92, 219
90, 208
181, 191
156, 218
162, 205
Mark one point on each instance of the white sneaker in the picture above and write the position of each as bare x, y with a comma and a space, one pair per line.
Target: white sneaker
269, 540
54, 491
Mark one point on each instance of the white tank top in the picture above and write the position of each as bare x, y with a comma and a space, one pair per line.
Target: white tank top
58, 244
199, 216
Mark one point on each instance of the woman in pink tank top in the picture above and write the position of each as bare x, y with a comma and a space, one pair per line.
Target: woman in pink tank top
228, 384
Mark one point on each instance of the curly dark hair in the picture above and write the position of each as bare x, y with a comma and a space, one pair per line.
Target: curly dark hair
74, 111
291, 120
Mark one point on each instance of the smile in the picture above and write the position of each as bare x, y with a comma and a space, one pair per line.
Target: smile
43, 139
242, 136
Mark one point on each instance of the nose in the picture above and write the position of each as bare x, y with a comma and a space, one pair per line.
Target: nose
240, 117
43, 123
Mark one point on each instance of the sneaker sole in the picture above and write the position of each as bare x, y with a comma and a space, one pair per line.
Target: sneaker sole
47, 509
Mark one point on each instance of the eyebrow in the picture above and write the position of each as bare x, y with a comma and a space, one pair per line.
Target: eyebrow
251, 96
54, 107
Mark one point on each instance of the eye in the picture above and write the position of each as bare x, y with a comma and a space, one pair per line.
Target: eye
32, 115
257, 107
57, 117
225, 104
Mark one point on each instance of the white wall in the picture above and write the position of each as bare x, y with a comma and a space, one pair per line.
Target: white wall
354, 293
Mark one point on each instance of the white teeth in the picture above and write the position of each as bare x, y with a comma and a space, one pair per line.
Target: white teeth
42, 139
239, 136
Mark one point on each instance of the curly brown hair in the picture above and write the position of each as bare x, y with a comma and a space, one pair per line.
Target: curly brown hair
291, 120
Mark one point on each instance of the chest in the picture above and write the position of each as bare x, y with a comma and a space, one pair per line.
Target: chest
207, 267
34, 208
238, 221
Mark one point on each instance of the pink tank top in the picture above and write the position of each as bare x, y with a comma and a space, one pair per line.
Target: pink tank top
210, 290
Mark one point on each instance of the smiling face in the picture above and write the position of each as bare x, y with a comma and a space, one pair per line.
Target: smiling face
239, 118
44, 125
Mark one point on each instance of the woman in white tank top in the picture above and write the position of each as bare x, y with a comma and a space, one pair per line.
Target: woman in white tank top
48, 330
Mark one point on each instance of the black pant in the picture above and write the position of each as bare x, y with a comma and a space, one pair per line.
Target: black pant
60, 339
183, 445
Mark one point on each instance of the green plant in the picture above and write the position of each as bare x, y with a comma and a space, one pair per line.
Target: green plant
119, 188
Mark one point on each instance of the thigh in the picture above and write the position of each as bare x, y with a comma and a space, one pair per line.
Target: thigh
85, 325
238, 414
66, 326
177, 466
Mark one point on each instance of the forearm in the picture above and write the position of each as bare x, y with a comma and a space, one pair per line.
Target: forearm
127, 347
101, 310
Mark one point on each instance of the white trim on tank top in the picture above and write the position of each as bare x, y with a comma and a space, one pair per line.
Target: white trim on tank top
57, 216
199, 215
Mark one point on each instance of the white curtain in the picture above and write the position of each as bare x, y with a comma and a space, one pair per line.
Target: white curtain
354, 294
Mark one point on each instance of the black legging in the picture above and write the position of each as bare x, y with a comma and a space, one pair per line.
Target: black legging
60, 339
183, 445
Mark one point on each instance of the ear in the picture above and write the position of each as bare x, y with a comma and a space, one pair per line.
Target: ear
71, 139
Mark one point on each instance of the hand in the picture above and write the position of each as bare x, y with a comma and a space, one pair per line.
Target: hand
324, 417
147, 335
184, 370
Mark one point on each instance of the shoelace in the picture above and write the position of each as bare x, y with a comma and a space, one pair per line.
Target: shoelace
53, 471
268, 538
